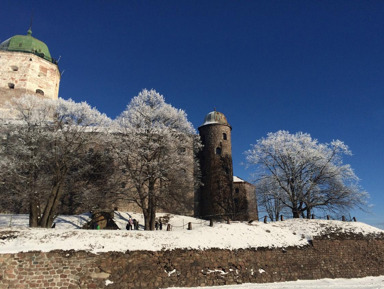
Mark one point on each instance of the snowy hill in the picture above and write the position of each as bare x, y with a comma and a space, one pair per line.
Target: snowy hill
15, 236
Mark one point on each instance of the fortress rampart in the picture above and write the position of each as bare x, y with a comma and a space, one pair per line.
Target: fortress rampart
328, 258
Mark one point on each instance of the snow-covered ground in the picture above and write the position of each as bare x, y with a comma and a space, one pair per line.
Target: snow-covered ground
15, 236
358, 283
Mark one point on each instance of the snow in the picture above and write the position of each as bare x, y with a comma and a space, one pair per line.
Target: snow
355, 283
67, 234
237, 180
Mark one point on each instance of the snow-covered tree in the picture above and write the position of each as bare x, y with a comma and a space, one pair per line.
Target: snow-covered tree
156, 151
44, 150
269, 197
308, 175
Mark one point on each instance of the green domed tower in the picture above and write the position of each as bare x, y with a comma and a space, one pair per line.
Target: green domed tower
27, 44
216, 194
26, 67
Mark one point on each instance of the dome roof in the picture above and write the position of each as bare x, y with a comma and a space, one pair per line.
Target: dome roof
215, 117
27, 43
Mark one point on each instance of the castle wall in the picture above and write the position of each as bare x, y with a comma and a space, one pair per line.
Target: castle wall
24, 73
245, 201
143, 269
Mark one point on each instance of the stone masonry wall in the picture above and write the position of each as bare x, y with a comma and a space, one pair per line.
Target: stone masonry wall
143, 269
27, 73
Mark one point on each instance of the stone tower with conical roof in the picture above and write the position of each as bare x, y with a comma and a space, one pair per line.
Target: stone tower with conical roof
26, 67
216, 194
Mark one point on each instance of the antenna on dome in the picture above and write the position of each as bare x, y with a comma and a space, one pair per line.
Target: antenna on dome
30, 25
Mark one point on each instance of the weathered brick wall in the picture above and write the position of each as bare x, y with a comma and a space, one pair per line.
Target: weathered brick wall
143, 269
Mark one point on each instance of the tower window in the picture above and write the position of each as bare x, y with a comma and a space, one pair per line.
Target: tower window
11, 85
224, 136
39, 91
14, 68
237, 190
182, 151
218, 151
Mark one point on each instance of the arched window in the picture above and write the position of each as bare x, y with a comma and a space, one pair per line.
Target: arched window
224, 136
39, 91
218, 151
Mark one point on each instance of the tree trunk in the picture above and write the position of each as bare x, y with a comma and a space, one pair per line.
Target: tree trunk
33, 214
151, 206
296, 213
51, 206
146, 218
308, 213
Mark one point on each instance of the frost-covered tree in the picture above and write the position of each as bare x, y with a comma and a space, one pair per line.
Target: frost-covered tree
44, 150
308, 175
156, 151
269, 198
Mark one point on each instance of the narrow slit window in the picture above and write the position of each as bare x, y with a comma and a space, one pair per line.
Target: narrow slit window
218, 151
224, 136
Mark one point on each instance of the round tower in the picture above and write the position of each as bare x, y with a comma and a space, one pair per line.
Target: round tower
216, 194
26, 67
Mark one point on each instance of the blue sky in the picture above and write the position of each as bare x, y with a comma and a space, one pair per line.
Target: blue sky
310, 66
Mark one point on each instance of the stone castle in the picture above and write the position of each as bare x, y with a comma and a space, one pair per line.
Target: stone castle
26, 67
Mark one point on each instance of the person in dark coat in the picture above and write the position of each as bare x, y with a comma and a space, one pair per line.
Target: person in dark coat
129, 224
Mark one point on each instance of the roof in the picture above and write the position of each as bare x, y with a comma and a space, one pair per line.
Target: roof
27, 43
238, 180
215, 117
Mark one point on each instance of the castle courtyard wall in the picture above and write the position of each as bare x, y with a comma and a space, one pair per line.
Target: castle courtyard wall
162, 269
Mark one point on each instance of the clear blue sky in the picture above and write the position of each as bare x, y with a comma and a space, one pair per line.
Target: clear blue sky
311, 66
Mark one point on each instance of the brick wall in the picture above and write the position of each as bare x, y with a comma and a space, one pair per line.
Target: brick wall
143, 269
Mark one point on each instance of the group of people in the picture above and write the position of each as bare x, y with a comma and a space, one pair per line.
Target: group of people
158, 225
132, 224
